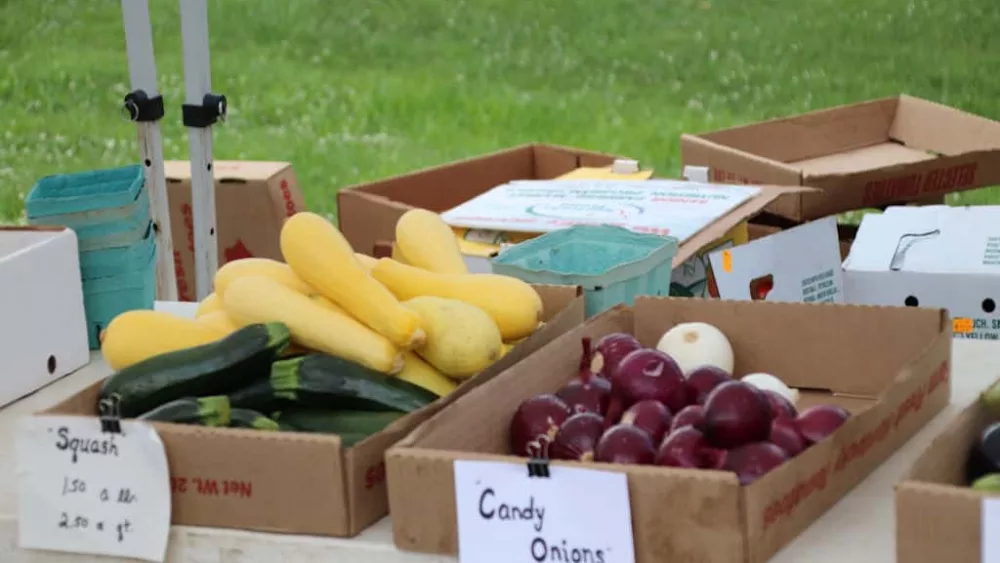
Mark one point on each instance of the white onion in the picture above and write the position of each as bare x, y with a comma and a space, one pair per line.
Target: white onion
693, 345
764, 381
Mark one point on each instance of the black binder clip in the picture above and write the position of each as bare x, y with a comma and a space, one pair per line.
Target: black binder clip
111, 421
213, 108
141, 108
538, 467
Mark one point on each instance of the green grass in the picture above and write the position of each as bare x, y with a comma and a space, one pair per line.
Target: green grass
353, 90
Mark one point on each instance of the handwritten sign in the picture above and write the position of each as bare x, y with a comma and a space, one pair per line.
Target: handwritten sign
577, 515
81, 490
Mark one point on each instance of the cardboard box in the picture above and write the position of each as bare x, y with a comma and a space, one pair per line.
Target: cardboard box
43, 325
845, 235
832, 353
938, 256
304, 483
938, 518
862, 155
368, 213
799, 265
252, 201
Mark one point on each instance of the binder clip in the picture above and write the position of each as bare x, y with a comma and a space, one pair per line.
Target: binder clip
538, 467
110, 414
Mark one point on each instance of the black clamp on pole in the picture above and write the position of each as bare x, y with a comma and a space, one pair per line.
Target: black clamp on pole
110, 414
212, 109
538, 467
140, 107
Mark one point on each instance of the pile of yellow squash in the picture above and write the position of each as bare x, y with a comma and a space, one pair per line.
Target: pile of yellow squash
419, 315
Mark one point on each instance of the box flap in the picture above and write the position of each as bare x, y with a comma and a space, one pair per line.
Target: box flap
935, 239
227, 170
797, 265
748, 209
17, 240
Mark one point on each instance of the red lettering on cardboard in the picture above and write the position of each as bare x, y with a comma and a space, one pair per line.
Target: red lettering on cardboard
795, 495
909, 186
211, 487
237, 251
188, 225
286, 195
375, 475
183, 291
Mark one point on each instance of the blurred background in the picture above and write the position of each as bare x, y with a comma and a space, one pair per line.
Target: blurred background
353, 90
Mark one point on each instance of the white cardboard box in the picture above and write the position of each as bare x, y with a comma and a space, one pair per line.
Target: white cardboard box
43, 329
797, 265
935, 256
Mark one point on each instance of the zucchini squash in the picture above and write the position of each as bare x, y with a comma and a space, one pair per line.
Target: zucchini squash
321, 256
246, 418
351, 426
205, 411
263, 267
137, 335
514, 305
462, 340
312, 325
325, 381
426, 241
210, 369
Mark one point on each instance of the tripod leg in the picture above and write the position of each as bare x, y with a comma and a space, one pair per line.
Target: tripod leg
144, 105
201, 110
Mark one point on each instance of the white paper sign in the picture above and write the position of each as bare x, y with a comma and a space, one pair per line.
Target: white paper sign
574, 515
81, 490
990, 519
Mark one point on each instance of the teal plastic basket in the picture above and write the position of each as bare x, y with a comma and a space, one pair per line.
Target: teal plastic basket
84, 195
104, 298
119, 260
612, 264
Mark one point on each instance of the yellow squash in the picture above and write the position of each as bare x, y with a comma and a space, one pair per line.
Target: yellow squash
255, 299
209, 304
427, 242
419, 372
322, 257
397, 255
277, 271
218, 321
462, 339
514, 305
367, 262
138, 335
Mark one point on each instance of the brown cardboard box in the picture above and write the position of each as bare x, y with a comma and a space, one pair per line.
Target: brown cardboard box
862, 155
937, 517
893, 386
368, 213
305, 483
252, 200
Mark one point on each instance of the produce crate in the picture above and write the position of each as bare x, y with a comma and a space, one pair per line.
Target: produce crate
613, 265
891, 387
105, 297
938, 518
116, 260
305, 483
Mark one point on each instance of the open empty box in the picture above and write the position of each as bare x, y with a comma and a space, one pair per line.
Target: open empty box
869, 154
832, 353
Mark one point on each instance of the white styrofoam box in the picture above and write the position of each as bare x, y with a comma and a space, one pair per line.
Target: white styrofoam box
43, 329
935, 256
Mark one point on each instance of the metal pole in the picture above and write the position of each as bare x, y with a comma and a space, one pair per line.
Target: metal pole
201, 110
144, 105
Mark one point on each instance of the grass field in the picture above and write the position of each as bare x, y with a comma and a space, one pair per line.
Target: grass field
354, 90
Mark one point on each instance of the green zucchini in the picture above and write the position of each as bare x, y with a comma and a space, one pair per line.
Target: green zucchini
246, 418
206, 411
257, 395
351, 426
323, 381
211, 369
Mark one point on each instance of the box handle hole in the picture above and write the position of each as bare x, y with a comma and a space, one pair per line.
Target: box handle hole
760, 287
911, 301
989, 305
51, 364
